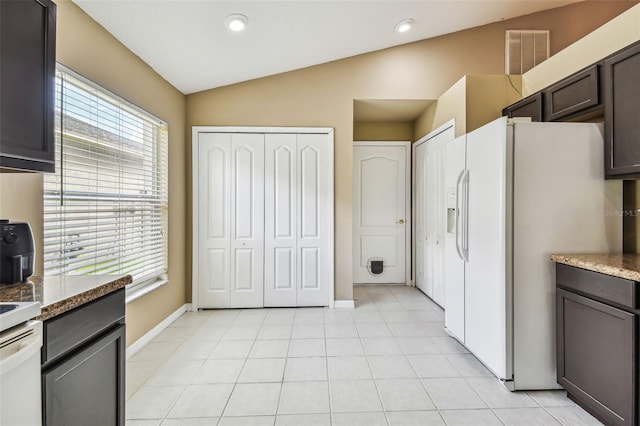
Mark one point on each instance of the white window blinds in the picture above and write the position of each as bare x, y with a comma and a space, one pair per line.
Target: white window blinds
105, 208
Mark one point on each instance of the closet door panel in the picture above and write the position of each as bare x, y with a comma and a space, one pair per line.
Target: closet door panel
218, 273
214, 239
314, 219
247, 220
280, 220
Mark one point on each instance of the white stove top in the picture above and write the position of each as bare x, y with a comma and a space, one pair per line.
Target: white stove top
14, 313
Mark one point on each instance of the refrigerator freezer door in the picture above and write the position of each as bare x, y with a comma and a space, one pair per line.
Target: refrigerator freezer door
562, 204
485, 274
454, 264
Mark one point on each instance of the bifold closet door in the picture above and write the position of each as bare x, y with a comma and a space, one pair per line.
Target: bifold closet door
231, 220
297, 220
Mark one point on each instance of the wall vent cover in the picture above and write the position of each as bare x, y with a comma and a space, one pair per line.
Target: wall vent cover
524, 49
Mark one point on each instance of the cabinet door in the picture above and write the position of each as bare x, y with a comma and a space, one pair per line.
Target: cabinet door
87, 388
530, 106
622, 127
596, 348
27, 70
575, 95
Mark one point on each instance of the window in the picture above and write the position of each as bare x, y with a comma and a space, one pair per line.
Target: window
106, 207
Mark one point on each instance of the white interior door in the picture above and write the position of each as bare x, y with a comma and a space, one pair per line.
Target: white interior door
297, 220
380, 179
231, 220
280, 220
314, 220
420, 216
262, 217
247, 220
436, 210
214, 238
429, 211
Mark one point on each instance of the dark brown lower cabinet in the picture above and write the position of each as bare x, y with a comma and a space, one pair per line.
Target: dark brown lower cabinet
597, 354
88, 387
83, 365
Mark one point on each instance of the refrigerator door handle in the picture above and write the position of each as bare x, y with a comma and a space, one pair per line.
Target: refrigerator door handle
459, 213
465, 216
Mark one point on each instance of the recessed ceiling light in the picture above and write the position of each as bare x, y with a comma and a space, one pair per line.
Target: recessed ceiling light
404, 25
236, 22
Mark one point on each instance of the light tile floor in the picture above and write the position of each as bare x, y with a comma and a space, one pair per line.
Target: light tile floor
387, 362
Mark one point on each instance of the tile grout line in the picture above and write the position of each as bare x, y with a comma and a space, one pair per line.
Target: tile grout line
284, 370
224, 408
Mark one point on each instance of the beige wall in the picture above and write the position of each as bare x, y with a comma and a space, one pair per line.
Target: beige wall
323, 95
423, 124
383, 131
86, 48
473, 101
611, 37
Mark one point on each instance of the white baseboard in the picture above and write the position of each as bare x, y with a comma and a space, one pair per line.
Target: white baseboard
344, 304
149, 335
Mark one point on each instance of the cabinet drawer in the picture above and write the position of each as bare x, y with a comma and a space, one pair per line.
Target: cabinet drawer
573, 95
530, 106
74, 328
601, 286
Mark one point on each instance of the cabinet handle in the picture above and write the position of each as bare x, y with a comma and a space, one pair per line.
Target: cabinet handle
401, 221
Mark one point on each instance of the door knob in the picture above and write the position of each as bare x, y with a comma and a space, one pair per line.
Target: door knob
401, 221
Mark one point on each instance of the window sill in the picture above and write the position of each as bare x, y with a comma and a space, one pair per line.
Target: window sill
137, 293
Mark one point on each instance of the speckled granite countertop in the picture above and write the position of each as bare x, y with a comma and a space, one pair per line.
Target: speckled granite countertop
621, 265
60, 294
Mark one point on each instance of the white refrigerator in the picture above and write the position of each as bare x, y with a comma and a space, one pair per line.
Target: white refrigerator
516, 193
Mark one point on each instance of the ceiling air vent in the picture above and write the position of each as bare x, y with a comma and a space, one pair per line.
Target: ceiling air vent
524, 49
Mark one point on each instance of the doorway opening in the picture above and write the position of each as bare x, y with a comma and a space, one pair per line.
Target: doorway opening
383, 234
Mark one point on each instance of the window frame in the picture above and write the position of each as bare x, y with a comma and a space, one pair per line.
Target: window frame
155, 150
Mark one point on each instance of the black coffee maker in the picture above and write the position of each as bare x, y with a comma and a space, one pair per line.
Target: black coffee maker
16, 251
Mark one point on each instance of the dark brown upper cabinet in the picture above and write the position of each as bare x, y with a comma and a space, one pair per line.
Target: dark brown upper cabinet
622, 113
27, 85
575, 95
531, 106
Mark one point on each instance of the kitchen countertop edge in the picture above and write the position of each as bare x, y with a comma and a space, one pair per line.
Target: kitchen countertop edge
60, 307
60, 294
621, 265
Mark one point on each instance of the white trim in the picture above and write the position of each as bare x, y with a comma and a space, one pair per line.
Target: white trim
195, 191
332, 279
344, 304
380, 143
105, 91
407, 208
432, 134
142, 291
255, 129
133, 348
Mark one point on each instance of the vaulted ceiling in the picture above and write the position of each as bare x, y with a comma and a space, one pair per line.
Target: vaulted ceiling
187, 43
